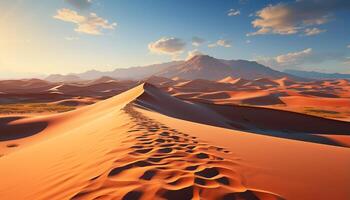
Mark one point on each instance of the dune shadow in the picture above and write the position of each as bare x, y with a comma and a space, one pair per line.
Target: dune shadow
283, 124
17, 131
265, 121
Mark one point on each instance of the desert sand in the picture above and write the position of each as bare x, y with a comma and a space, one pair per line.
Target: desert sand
147, 144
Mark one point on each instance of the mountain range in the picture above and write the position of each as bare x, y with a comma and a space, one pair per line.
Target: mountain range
317, 75
136, 73
207, 67
198, 67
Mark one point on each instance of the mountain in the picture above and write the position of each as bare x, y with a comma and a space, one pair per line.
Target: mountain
317, 75
207, 67
102, 79
63, 78
24, 85
252, 70
136, 73
198, 67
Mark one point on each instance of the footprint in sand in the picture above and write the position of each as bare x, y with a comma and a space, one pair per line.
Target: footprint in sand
12, 145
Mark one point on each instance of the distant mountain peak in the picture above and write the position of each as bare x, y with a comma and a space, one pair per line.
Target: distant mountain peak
210, 68
202, 56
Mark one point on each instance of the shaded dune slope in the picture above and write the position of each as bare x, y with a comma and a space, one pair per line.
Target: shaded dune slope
266, 121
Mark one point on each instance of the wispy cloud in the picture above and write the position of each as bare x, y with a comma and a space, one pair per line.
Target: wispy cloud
167, 45
192, 53
291, 18
197, 41
80, 4
287, 60
222, 43
233, 12
91, 24
313, 31
299, 58
347, 61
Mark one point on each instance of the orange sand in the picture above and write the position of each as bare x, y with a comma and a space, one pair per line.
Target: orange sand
138, 145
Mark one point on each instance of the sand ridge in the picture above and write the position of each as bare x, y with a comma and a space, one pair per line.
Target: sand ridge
163, 163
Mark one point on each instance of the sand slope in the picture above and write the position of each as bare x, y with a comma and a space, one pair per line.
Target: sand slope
124, 148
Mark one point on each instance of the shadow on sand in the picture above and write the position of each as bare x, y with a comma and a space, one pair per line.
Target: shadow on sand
17, 131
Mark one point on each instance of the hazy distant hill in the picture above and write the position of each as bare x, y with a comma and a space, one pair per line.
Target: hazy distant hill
63, 78
129, 73
317, 75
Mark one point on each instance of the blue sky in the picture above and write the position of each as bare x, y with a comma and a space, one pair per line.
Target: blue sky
63, 36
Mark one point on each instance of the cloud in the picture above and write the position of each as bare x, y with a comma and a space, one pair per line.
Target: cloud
192, 53
347, 61
243, 1
91, 24
248, 41
293, 57
291, 18
167, 45
348, 46
222, 43
286, 60
313, 31
71, 38
299, 58
197, 41
80, 4
233, 12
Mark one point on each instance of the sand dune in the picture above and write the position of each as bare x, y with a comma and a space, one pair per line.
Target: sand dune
75, 102
146, 144
284, 93
321, 102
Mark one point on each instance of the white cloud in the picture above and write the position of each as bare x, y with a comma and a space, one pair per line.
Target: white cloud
290, 18
233, 12
167, 45
293, 57
248, 41
300, 59
287, 60
348, 46
313, 31
80, 4
192, 53
197, 41
347, 61
91, 24
222, 43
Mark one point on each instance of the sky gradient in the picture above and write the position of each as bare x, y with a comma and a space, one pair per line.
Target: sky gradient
65, 36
